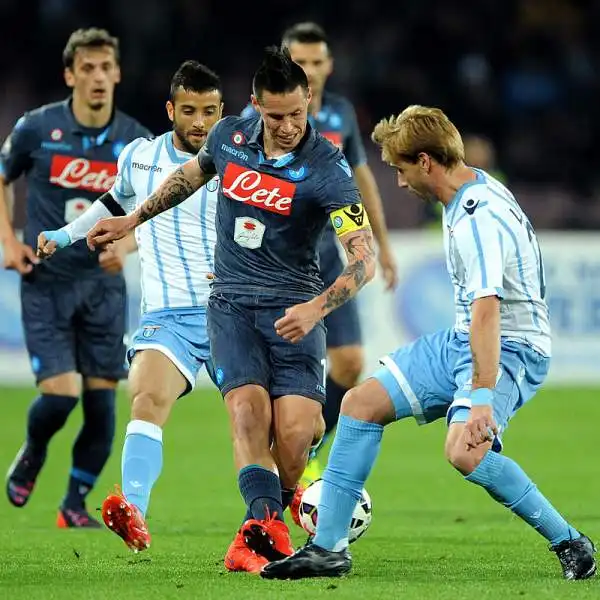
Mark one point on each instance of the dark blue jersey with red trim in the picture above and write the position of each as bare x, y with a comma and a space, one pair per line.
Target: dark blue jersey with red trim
67, 166
271, 213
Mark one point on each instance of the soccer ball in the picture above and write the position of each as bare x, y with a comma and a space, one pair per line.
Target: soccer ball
361, 517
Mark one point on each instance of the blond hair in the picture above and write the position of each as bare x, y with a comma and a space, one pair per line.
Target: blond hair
416, 130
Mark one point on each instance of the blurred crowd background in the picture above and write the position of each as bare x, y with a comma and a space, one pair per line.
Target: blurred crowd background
520, 78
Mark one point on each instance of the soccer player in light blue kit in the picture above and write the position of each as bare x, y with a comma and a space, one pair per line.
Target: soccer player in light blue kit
476, 374
177, 261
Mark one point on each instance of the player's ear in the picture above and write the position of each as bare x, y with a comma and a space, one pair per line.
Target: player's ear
117, 74
254, 101
330, 66
69, 78
221, 110
170, 110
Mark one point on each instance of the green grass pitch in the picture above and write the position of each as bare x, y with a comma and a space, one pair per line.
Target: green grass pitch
433, 535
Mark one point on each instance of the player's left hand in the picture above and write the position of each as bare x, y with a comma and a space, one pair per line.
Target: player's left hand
298, 321
480, 427
110, 230
389, 269
112, 258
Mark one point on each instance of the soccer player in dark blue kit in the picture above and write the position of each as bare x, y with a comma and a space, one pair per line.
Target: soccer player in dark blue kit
333, 116
280, 183
73, 307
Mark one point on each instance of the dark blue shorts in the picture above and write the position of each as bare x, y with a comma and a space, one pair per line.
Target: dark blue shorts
75, 326
245, 348
343, 324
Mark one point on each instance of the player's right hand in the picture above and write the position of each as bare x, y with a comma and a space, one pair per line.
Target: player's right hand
110, 230
19, 256
49, 241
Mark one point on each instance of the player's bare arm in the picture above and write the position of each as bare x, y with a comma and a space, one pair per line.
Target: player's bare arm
485, 350
176, 188
17, 255
360, 269
369, 192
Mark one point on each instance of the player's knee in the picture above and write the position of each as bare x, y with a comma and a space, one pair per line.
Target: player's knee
248, 415
345, 365
462, 459
356, 405
150, 406
65, 384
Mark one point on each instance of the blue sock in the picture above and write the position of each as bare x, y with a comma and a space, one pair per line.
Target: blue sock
47, 415
286, 499
141, 462
507, 483
92, 446
261, 490
353, 453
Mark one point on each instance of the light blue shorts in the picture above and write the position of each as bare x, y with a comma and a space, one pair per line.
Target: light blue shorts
180, 334
431, 378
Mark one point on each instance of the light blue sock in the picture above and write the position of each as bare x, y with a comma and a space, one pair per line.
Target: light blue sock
141, 462
353, 453
507, 483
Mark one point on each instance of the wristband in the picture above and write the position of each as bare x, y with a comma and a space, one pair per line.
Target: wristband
482, 397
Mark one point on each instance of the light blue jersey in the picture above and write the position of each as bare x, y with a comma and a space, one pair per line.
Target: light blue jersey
176, 251
491, 250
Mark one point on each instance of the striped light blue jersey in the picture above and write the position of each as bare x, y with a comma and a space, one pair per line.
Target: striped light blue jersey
491, 249
176, 248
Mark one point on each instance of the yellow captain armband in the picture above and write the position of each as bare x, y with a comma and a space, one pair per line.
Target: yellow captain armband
349, 218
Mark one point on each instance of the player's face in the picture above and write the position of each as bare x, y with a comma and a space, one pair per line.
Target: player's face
316, 62
284, 116
414, 178
93, 76
193, 115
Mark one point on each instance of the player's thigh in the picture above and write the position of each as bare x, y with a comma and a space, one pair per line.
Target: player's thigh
418, 377
154, 380
239, 354
100, 328
345, 364
181, 337
47, 311
521, 372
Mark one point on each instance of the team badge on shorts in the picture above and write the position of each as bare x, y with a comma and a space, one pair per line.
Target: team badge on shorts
150, 330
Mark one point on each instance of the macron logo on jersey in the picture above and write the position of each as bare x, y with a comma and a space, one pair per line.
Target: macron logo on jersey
143, 167
258, 189
79, 173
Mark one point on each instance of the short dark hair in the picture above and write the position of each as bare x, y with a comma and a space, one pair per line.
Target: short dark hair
278, 73
193, 76
88, 38
304, 33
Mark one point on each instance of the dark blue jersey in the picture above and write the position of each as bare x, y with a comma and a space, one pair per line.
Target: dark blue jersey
67, 167
336, 122
271, 213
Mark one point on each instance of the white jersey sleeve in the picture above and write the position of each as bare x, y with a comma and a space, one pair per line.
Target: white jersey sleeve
479, 243
122, 189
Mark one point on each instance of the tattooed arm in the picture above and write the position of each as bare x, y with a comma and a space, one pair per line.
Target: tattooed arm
176, 188
360, 269
301, 318
485, 341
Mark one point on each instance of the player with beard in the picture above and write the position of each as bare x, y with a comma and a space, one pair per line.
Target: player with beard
176, 254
